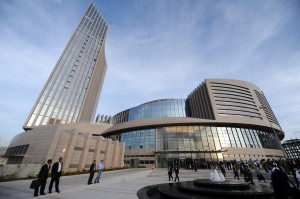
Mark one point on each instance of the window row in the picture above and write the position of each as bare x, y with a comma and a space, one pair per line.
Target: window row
203, 138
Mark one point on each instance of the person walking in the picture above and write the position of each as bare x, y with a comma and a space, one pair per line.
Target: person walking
56, 171
236, 173
222, 168
241, 168
42, 178
170, 171
295, 171
100, 168
248, 175
279, 181
258, 174
92, 172
176, 170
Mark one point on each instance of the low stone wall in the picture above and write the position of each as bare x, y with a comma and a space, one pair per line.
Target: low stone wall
20, 171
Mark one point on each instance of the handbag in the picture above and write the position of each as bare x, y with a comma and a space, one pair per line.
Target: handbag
35, 184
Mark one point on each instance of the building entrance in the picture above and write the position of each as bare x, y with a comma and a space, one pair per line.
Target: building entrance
188, 160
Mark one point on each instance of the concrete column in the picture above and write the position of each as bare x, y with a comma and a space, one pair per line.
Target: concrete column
107, 156
84, 153
67, 157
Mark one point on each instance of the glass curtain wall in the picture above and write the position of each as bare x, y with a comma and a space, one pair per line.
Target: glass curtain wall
185, 144
62, 98
153, 109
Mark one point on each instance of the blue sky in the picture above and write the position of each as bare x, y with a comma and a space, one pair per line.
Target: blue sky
155, 49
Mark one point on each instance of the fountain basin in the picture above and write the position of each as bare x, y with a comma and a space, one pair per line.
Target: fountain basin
230, 184
206, 189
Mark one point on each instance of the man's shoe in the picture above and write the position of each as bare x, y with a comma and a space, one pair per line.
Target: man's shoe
42, 194
58, 191
35, 195
50, 192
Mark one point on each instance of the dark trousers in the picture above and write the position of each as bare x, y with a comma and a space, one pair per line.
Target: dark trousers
42, 187
56, 180
91, 178
236, 175
170, 175
176, 177
296, 180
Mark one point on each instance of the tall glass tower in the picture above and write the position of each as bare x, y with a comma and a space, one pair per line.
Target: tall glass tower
72, 91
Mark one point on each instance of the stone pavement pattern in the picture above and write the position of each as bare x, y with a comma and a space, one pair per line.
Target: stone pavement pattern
113, 185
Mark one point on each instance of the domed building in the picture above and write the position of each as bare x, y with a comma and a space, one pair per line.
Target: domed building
221, 119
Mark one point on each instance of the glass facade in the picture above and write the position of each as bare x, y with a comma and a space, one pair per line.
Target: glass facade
16, 154
190, 142
292, 148
153, 109
139, 139
196, 142
63, 96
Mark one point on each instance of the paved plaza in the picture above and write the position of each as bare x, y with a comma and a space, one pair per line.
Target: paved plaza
113, 184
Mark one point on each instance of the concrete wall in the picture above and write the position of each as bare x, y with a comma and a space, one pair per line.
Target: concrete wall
20, 170
79, 144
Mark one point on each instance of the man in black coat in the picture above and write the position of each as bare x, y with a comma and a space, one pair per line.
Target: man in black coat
42, 178
55, 175
92, 172
170, 171
280, 182
176, 170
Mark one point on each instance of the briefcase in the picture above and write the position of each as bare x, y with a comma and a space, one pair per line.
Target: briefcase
35, 184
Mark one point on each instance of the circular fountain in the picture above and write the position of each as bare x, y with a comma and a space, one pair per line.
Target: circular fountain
215, 187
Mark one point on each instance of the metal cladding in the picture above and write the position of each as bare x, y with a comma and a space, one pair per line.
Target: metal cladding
199, 105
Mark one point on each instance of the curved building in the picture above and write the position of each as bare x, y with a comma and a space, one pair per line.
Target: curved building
220, 120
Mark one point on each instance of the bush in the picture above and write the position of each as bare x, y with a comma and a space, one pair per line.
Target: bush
9, 177
31, 175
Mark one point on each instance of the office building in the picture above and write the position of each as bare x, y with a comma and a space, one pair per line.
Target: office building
61, 121
72, 91
220, 120
292, 148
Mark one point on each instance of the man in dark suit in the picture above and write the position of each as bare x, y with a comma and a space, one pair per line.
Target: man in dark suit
55, 175
280, 182
170, 171
176, 170
42, 178
92, 172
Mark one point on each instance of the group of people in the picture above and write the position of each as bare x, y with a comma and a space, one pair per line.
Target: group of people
93, 169
174, 169
56, 171
281, 183
279, 169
